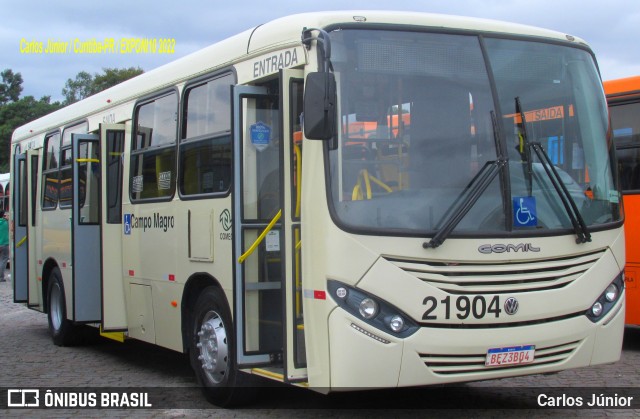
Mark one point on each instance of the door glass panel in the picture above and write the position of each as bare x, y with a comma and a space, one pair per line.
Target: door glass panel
261, 179
22, 214
89, 187
115, 144
296, 90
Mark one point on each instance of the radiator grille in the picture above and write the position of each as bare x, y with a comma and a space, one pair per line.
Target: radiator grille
479, 278
448, 364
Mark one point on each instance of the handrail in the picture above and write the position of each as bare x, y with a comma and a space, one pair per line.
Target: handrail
358, 193
260, 237
21, 242
87, 160
298, 153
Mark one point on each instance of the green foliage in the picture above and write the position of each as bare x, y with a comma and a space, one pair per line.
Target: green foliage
15, 114
11, 86
15, 111
85, 84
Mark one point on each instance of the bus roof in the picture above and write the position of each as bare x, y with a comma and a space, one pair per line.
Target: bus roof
622, 87
276, 34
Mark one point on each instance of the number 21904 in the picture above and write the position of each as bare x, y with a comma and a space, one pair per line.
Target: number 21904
462, 307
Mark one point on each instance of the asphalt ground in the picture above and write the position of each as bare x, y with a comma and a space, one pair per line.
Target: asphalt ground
29, 360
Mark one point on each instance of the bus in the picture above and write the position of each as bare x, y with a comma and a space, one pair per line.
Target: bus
623, 97
229, 206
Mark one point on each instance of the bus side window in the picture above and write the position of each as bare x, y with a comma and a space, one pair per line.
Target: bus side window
626, 135
153, 149
50, 171
205, 141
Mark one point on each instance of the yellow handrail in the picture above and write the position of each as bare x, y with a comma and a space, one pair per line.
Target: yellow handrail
21, 242
260, 237
88, 160
358, 193
298, 153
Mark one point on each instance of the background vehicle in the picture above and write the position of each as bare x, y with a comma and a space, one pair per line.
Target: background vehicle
237, 211
623, 96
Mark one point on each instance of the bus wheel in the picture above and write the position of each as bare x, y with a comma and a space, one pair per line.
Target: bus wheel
62, 330
212, 351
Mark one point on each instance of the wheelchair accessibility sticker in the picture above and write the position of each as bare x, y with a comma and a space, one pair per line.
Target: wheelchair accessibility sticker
524, 211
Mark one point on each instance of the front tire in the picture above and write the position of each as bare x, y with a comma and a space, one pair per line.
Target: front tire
62, 330
212, 351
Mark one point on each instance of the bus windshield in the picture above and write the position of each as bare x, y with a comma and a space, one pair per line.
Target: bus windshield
421, 114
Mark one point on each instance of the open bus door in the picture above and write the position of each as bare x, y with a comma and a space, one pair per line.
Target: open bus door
291, 93
33, 285
257, 209
114, 314
266, 218
85, 229
20, 261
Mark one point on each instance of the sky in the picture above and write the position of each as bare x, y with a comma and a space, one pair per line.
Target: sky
611, 27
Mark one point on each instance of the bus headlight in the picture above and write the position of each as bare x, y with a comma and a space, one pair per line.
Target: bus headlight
607, 299
611, 293
396, 323
372, 309
368, 308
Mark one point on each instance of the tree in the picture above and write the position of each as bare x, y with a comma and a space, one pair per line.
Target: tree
78, 89
18, 113
86, 84
11, 86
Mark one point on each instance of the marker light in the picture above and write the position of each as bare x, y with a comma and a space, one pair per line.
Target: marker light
368, 308
341, 292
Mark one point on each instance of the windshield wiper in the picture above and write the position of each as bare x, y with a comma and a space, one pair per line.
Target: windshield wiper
570, 206
471, 193
465, 201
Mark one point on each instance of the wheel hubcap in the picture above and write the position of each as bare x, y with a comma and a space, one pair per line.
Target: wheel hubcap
213, 348
55, 307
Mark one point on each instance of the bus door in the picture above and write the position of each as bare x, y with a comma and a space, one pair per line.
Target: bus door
114, 314
291, 94
33, 244
85, 229
257, 221
20, 262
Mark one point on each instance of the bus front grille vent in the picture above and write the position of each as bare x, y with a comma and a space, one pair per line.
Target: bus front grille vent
449, 364
477, 278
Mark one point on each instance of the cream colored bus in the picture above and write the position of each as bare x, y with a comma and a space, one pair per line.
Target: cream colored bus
336, 201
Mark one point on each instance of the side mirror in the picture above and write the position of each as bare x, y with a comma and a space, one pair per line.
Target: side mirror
320, 106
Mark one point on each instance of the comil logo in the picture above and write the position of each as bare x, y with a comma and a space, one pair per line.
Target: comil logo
23, 398
506, 248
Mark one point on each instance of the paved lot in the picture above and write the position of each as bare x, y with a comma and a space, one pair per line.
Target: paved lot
29, 359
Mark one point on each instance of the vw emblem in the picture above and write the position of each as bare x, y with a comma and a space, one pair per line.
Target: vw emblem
511, 306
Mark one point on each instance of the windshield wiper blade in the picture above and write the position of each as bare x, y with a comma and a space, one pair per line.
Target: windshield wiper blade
465, 201
570, 206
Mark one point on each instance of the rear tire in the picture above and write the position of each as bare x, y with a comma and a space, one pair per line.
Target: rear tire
62, 330
212, 352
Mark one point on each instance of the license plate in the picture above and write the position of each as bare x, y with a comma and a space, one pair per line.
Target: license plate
512, 355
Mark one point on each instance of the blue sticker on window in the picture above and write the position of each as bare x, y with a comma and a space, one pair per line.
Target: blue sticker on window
524, 211
260, 135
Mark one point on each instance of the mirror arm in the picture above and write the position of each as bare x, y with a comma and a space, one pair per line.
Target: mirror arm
322, 37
